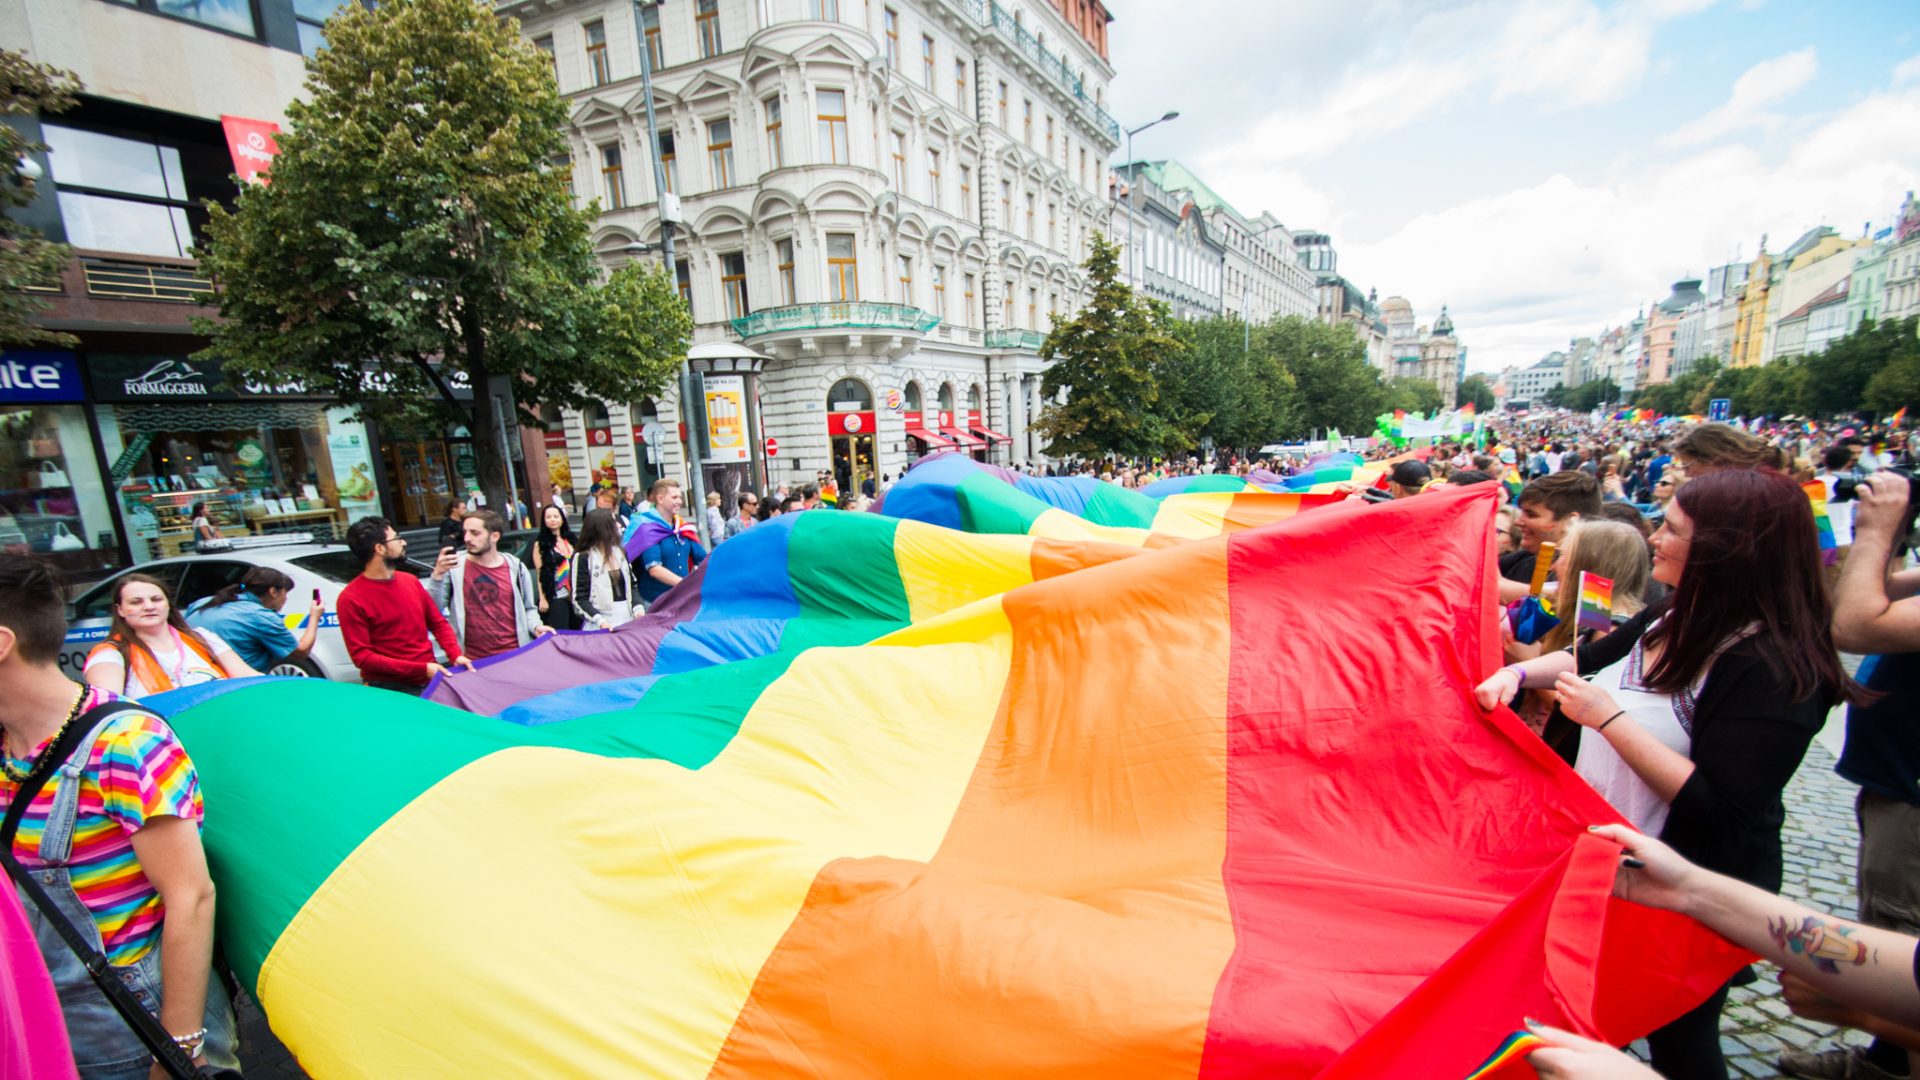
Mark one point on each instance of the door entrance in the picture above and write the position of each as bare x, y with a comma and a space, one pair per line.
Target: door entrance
853, 463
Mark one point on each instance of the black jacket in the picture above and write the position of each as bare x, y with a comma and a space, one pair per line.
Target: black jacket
1748, 740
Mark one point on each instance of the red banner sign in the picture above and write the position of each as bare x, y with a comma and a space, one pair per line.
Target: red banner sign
252, 144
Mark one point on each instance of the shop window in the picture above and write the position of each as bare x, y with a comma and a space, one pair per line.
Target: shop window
254, 467
832, 107
51, 499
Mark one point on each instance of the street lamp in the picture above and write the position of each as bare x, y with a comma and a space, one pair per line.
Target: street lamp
1133, 178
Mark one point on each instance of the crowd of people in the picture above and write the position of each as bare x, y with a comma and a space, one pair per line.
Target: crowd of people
1690, 710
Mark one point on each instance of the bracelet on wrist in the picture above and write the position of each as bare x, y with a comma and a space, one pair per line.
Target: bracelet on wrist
1519, 675
191, 1040
1610, 719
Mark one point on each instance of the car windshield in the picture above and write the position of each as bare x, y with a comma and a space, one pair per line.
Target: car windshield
340, 565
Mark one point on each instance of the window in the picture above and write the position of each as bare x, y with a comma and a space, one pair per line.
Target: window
545, 45
310, 18
776, 154
1033, 309
966, 192
1053, 303
1083, 166
960, 87
933, 178
1031, 201
783, 249
843, 273
232, 15
119, 194
1006, 318
946, 397
912, 403
1004, 126
650, 29
906, 280
613, 176
824, 10
973, 319
940, 291
1006, 205
733, 283
833, 127
684, 277
597, 70
926, 59
1026, 122
706, 19
1053, 225
720, 152
1049, 136
900, 162
669, 163
892, 22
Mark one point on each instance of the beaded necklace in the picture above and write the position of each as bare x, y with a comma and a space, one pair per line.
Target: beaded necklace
6, 759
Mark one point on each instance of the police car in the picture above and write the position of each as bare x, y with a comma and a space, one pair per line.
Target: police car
190, 578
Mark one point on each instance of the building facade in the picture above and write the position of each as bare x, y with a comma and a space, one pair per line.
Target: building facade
1176, 255
1527, 387
1261, 277
1417, 352
879, 206
1901, 293
112, 443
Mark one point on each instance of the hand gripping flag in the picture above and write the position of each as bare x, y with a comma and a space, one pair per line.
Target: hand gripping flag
1220, 809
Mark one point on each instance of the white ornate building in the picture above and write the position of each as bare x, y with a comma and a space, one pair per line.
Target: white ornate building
884, 200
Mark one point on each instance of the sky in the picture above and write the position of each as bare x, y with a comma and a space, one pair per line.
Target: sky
1545, 168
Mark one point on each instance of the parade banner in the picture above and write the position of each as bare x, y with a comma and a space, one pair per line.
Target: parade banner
1094, 810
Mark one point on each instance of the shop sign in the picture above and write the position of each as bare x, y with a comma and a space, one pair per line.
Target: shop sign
849, 423
39, 376
894, 401
252, 144
726, 418
150, 377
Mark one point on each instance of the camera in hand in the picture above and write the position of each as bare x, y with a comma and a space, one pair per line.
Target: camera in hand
1846, 488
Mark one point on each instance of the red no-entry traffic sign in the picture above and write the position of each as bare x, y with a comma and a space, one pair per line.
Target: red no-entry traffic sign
773, 447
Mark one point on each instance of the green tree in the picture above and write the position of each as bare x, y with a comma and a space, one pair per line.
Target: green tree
1589, 395
1896, 386
1334, 385
1837, 378
1777, 389
1105, 360
1221, 387
1414, 395
1476, 390
415, 234
26, 258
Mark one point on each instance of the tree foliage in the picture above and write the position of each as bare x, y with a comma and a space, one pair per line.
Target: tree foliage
1586, 396
414, 227
1876, 367
1414, 395
1475, 390
1336, 386
1219, 387
26, 258
1106, 360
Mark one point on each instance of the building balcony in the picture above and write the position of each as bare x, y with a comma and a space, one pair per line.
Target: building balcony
989, 14
1012, 340
101, 290
860, 327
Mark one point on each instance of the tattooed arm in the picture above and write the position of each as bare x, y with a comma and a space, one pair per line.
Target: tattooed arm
1868, 969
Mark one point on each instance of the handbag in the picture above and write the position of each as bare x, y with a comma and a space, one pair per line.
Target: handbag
51, 476
64, 540
144, 1024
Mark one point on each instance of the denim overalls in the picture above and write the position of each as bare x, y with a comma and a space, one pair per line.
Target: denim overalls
104, 1047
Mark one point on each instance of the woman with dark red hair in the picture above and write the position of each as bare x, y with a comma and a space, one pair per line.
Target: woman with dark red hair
1700, 708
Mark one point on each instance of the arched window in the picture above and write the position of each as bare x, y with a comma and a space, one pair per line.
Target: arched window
973, 398
913, 397
849, 395
946, 397
595, 416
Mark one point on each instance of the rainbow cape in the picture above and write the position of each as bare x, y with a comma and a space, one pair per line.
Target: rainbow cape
1090, 810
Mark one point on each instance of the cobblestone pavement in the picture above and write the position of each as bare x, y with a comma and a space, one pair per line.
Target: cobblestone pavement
1818, 846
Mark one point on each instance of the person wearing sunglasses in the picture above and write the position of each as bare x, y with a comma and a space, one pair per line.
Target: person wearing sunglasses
746, 509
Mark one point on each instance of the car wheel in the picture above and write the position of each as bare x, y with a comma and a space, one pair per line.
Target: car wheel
297, 668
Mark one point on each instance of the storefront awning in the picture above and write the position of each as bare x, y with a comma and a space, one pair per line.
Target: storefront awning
934, 442
962, 439
989, 434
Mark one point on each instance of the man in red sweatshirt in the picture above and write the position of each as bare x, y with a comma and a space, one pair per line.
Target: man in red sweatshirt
385, 617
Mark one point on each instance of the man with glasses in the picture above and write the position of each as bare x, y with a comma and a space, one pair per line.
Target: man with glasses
385, 616
745, 509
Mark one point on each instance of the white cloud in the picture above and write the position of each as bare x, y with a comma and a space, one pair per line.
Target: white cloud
1765, 83
1566, 54
1527, 269
1907, 71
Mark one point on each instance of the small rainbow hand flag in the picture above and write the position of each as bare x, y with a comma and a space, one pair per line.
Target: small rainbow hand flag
1596, 602
1516, 1047
1822, 521
1899, 415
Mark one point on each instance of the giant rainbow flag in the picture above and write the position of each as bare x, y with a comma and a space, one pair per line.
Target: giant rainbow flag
1219, 808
